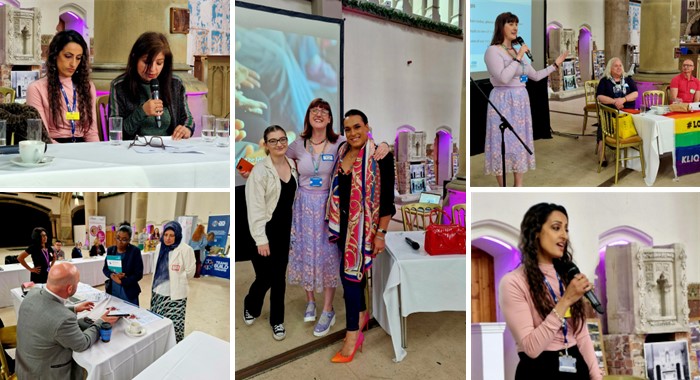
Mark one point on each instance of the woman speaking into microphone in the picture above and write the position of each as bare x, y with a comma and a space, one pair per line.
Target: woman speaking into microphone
509, 72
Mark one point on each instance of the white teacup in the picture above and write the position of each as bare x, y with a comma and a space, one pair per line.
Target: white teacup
31, 151
135, 328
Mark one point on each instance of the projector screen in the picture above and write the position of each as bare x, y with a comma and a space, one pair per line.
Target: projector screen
482, 16
283, 61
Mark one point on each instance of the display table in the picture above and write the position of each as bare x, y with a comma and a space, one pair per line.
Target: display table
216, 266
658, 137
406, 281
198, 356
105, 165
123, 357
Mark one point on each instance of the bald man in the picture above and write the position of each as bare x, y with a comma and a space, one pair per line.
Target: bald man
684, 86
48, 331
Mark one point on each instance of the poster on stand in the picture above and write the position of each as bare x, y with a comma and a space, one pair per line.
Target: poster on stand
96, 230
218, 224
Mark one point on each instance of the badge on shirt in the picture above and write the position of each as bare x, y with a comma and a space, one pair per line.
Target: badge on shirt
568, 313
692, 91
326, 157
523, 78
75, 115
175, 267
567, 364
315, 181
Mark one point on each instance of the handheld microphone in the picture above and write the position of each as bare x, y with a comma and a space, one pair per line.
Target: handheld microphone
413, 243
569, 270
521, 42
155, 94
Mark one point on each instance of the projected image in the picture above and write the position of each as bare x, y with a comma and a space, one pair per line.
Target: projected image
279, 70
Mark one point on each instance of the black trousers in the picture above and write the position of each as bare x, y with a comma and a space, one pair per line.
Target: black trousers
270, 274
546, 366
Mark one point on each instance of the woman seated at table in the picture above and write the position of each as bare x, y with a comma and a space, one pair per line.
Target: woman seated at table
615, 90
124, 267
65, 97
130, 93
362, 180
42, 256
97, 248
77, 252
174, 264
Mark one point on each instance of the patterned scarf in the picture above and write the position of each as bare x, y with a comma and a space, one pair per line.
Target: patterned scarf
363, 210
162, 272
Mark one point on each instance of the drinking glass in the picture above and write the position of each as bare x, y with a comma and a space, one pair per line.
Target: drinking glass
208, 132
115, 130
3, 132
34, 127
222, 132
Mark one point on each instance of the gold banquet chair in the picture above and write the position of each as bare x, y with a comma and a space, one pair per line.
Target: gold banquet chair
416, 216
653, 98
102, 112
609, 121
459, 214
590, 87
5, 92
8, 337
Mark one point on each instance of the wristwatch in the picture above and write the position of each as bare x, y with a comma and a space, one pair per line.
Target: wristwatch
381, 230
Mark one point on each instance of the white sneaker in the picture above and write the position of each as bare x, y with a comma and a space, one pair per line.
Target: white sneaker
310, 313
247, 317
278, 332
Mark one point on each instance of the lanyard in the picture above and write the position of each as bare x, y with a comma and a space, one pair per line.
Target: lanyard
522, 64
316, 160
564, 326
46, 256
68, 107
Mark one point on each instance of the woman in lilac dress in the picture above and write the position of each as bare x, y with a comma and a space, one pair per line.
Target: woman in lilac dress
313, 259
509, 72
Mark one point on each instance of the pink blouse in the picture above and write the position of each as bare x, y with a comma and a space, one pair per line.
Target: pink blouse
533, 335
38, 97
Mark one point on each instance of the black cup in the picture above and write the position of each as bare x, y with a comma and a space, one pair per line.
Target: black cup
106, 331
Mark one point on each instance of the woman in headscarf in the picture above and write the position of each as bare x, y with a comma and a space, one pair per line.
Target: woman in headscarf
43, 256
124, 267
174, 263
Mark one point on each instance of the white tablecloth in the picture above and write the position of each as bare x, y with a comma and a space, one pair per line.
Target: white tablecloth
658, 136
123, 357
427, 284
13, 275
198, 356
103, 165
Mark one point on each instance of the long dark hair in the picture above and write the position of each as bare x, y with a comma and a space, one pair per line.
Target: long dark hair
330, 134
80, 78
36, 236
150, 44
501, 21
529, 245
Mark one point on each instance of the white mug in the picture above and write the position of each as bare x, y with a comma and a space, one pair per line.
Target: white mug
135, 328
31, 151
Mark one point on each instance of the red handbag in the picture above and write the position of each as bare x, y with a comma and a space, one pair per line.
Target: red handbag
444, 239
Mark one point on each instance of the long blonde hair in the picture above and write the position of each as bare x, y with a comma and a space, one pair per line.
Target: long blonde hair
198, 233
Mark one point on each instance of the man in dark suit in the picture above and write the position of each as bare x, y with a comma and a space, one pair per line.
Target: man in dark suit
48, 331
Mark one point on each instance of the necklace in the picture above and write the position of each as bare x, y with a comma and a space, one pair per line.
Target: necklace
318, 143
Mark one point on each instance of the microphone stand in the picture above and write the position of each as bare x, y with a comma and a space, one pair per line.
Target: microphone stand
503, 126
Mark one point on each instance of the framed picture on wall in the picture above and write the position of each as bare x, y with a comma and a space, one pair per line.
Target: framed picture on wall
593, 325
667, 360
569, 82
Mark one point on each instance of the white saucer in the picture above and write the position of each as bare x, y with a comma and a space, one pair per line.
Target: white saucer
143, 332
44, 161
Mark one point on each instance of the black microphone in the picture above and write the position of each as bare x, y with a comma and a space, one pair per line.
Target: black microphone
155, 94
569, 270
521, 42
413, 243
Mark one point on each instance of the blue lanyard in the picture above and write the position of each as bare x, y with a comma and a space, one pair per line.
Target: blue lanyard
72, 122
564, 326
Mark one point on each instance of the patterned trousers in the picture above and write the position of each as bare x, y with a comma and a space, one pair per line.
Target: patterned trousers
173, 310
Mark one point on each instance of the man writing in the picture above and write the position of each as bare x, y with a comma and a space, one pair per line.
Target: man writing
685, 87
48, 331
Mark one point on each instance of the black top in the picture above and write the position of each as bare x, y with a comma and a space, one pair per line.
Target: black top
279, 228
76, 253
616, 90
40, 258
132, 267
100, 250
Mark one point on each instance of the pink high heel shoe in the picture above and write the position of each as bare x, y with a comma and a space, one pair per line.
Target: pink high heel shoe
339, 358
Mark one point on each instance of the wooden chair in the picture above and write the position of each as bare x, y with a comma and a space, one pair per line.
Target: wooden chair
667, 91
609, 120
416, 216
590, 87
4, 92
653, 98
459, 214
8, 337
102, 105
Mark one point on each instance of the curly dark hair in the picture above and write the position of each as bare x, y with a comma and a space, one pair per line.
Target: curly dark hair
80, 78
36, 236
150, 44
330, 134
529, 245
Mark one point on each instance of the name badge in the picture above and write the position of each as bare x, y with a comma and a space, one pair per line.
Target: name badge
567, 364
75, 115
175, 267
315, 181
692, 90
326, 157
523, 78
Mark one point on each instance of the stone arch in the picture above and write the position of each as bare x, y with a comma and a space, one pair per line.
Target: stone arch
22, 216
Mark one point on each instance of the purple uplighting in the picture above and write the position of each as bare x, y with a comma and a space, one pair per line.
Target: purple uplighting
497, 242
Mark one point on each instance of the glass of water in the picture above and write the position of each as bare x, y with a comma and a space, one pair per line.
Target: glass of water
222, 132
3, 132
115, 130
208, 128
34, 127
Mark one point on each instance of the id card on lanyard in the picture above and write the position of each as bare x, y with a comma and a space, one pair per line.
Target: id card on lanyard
72, 113
316, 180
567, 363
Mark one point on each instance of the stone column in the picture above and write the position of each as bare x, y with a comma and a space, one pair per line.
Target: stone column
141, 208
65, 230
90, 200
616, 33
660, 25
328, 8
180, 205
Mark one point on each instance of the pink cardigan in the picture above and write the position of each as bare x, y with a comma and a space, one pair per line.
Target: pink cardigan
38, 97
533, 335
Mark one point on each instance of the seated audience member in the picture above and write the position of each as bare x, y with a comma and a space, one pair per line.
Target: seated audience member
130, 93
57, 249
77, 252
615, 90
48, 332
97, 248
125, 274
65, 97
684, 86
42, 254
